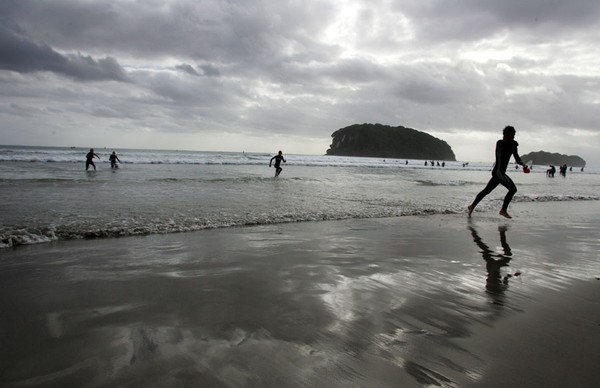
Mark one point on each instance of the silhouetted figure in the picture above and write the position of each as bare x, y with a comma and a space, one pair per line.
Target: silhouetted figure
278, 158
563, 170
551, 171
406, 162
443, 164
113, 160
495, 284
571, 168
426, 163
505, 148
89, 159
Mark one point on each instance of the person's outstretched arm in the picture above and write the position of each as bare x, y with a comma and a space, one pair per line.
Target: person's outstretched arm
516, 156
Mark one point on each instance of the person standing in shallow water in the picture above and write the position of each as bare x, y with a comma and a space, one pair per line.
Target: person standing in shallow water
278, 158
89, 159
113, 160
505, 148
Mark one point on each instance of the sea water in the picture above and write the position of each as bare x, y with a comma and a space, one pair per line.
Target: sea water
46, 193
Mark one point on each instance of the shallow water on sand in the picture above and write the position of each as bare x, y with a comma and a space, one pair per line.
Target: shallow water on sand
388, 302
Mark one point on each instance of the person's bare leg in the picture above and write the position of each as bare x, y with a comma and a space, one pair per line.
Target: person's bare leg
470, 208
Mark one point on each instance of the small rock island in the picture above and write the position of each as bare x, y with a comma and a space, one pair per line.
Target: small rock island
547, 158
384, 141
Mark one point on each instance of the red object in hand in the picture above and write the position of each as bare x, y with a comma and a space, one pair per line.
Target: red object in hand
526, 169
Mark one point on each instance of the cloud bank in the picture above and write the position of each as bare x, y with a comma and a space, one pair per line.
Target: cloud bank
265, 75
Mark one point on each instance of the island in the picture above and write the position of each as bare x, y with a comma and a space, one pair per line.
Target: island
384, 141
547, 158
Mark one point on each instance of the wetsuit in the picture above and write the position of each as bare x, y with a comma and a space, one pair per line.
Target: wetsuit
88, 160
504, 150
113, 160
278, 159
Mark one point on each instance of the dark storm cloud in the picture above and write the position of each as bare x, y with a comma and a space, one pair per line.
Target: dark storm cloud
220, 31
19, 54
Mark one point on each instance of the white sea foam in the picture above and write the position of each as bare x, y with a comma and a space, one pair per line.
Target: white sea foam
13, 236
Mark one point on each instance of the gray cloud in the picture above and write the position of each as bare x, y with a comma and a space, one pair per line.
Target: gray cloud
210, 71
206, 70
17, 53
301, 69
188, 69
473, 19
220, 31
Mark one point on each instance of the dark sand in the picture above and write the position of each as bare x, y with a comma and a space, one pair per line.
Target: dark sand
403, 302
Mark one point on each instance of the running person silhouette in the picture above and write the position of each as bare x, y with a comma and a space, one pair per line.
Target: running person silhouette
278, 158
505, 148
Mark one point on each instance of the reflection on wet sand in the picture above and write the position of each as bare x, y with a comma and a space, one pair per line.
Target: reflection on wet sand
495, 284
334, 307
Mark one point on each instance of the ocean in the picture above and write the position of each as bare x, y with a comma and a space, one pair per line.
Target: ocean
47, 195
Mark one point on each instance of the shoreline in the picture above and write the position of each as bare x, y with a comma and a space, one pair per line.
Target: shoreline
13, 237
404, 301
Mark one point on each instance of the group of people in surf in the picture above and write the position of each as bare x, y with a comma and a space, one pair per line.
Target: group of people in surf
562, 170
113, 158
505, 149
89, 160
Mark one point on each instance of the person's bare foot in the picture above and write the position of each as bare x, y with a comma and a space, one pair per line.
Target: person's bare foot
470, 208
503, 213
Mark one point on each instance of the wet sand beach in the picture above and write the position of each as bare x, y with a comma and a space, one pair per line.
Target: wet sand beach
395, 302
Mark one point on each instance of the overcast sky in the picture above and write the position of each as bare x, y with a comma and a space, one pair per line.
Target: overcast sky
264, 75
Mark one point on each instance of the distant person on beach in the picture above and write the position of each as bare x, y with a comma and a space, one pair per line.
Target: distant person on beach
89, 159
505, 148
113, 160
278, 158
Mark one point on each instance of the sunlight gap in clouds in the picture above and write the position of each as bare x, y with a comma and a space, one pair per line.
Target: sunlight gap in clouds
558, 57
494, 49
342, 32
363, 33
525, 90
